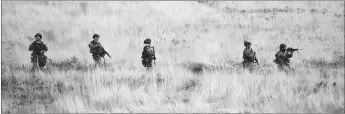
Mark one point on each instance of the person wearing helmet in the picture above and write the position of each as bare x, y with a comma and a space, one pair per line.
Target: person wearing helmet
148, 54
248, 56
96, 49
38, 48
283, 58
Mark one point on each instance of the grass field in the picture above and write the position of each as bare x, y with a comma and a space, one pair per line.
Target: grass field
199, 49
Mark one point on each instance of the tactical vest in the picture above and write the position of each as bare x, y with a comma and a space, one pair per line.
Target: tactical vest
247, 58
38, 47
147, 52
96, 50
282, 60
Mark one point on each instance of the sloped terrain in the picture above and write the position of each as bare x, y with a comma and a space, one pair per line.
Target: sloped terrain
199, 49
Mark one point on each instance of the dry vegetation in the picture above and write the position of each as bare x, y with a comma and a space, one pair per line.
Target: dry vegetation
199, 46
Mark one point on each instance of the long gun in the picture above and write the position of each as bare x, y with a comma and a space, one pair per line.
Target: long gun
292, 49
254, 58
154, 55
105, 52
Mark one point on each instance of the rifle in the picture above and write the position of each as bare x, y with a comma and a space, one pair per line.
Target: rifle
154, 55
105, 53
254, 58
292, 49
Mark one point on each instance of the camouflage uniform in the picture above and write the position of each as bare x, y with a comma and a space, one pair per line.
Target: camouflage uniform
97, 50
148, 54
248, 56
38, 48
283, 58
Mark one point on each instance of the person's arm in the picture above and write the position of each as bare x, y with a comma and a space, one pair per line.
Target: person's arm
31, 47
45, 47
153, 50
92, 45
154, 53
289, 55
142, 53
99, 45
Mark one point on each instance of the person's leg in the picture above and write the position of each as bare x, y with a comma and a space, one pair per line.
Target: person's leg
42, 61
280, 67
149, 63
34, 62
143, 62
97, 59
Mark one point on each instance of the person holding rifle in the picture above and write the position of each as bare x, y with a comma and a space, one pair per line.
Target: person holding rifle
38, 48
249, 56
283, 57
148, 54
97, 50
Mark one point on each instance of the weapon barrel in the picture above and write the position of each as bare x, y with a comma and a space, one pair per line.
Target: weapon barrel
293, 49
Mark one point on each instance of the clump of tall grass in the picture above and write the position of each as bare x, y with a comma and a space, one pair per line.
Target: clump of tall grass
204, 81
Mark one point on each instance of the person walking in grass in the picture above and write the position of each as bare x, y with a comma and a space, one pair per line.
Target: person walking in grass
148, 54
283, 58
249, 56
97, 50
38, 48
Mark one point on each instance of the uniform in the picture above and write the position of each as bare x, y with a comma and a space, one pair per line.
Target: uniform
38, 48
148, 54
97, 49
248, 56
283, 58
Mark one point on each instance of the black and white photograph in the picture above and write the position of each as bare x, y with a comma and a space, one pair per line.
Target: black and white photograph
172, 56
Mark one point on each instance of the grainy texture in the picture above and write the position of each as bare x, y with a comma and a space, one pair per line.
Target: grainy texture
198, 46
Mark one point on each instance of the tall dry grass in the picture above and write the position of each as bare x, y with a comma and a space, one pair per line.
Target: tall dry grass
198, 46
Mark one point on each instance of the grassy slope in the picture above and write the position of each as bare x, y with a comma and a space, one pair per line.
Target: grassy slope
206, 33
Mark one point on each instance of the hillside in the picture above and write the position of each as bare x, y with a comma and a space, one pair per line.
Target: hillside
208, 35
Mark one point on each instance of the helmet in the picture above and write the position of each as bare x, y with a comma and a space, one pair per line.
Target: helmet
38, 34
95, 35
147, 41
247, 43
282, 46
